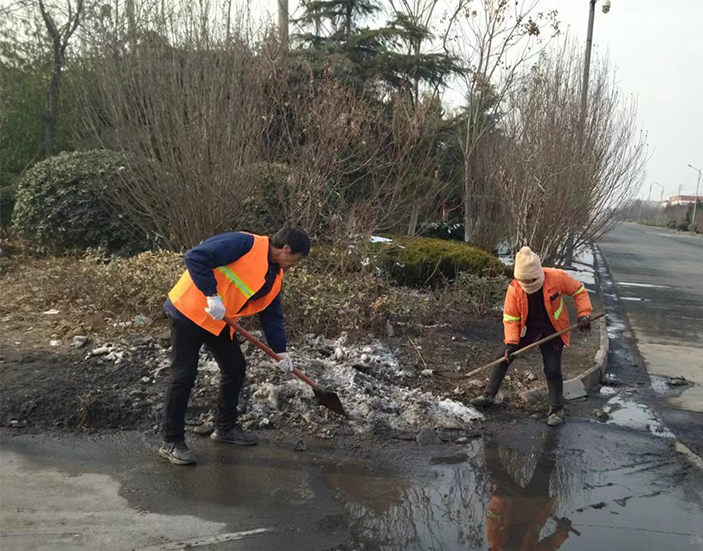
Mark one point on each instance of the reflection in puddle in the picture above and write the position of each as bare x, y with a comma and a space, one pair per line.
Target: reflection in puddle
376, 494
450, 459
502, 499
517, 513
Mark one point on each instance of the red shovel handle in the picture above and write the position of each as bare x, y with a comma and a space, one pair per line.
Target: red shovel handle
256, 342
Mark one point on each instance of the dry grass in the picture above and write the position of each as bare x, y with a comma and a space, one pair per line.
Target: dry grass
93, 294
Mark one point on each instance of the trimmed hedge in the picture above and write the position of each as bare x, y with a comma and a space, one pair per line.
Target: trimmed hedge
66, 203
420, 262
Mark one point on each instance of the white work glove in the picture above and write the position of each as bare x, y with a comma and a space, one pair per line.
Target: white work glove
286, 364
215, 308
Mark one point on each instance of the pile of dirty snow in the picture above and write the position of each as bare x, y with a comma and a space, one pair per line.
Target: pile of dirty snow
376, 391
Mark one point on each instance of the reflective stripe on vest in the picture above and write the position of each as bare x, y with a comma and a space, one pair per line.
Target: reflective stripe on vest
234, 278
558, 312
581, 290
508, 317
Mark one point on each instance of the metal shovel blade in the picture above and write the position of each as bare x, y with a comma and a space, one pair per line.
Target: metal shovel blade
329, 399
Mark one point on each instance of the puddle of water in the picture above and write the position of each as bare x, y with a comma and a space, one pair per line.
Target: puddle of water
450, 459
502, 494
505, 499
630, 414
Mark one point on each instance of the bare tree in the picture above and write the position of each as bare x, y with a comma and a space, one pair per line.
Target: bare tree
496, 39
554, 185
60, 36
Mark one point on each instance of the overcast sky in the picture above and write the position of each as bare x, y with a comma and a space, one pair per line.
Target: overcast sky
657, 48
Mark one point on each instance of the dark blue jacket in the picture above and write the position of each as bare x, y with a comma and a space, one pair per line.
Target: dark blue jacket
224, 249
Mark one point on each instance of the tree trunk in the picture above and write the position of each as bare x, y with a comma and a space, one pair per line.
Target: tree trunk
131, 25
468, 193
414, 215
348, 20
283, 23
50, 117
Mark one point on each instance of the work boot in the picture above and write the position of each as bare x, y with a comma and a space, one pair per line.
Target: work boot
556, 417
235, 435
177, 453
483, 401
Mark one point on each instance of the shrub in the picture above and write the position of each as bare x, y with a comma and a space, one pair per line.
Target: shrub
682, 225
123, 287
698, 228
471, 294
67, 203
671, 224
326, 303
422, 261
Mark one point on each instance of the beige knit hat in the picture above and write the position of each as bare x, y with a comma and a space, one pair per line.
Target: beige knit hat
528, 266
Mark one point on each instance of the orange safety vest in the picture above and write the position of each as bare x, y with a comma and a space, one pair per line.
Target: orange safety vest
236, 284
556, 284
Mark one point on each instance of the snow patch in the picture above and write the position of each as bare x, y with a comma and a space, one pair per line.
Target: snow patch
379, 239
378, 392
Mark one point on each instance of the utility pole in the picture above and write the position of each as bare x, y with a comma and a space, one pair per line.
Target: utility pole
587, 68
695, 201
283, 24
569, 258
661, 201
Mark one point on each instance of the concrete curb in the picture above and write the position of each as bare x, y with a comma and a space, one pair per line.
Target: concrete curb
579, 386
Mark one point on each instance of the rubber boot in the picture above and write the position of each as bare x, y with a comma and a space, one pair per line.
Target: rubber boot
556, 402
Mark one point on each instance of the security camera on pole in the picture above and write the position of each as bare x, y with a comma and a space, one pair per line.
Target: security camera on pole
605, 5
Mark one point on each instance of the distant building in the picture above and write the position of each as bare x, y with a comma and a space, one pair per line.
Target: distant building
682, 200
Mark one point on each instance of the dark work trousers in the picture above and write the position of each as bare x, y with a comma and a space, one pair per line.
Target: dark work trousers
551, 357
187, 339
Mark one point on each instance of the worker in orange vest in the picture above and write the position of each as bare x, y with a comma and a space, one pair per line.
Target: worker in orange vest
516, 514
235, 274
534, 309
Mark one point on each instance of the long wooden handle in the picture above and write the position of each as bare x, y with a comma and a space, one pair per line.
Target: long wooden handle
256, 342
528, 347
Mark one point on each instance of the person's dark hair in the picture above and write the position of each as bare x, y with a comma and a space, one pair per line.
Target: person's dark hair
295, 238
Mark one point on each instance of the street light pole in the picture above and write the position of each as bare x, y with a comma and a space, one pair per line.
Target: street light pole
661, 201
569, 259
695, 202
587, 67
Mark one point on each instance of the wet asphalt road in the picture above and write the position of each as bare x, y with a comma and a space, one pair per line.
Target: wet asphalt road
620, 482
658, 280
622, 487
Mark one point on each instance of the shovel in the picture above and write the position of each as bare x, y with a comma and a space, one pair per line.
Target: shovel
514, 355
324, 397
